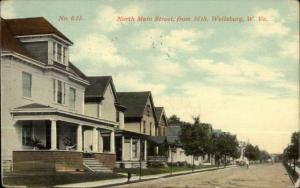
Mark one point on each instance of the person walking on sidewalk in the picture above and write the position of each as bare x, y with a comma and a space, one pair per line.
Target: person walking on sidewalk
247, 163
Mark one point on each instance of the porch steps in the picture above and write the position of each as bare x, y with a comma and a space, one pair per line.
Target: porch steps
94, 165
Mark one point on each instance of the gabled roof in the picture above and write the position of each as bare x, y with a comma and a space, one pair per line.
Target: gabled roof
33, 105
33, 26
135, 102
9, 42
160, 113
98, 86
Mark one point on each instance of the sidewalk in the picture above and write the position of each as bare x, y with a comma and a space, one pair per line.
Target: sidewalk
119, 181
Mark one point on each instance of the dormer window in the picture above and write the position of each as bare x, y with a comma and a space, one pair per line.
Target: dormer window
59, 53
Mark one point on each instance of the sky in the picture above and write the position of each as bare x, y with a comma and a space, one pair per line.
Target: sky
241, 76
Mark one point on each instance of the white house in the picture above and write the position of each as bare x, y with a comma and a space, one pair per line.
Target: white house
139, 123
45, 122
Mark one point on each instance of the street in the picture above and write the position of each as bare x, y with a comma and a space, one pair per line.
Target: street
263, 176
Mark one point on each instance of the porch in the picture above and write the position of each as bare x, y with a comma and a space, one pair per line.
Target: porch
60, 140
131, 149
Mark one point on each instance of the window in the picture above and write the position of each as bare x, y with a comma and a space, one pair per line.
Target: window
59, 55
54, 51
72, 97
64, 55
150, 128
27, 84
148, 109
54, 90
59, 91
144, 126
134, 149
26, 134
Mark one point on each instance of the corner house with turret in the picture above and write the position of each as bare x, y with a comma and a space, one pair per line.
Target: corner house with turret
53, 117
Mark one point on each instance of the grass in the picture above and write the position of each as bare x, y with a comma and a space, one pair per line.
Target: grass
159, 170
49, 179
42, 179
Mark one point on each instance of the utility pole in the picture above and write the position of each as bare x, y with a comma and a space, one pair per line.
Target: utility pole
171, 161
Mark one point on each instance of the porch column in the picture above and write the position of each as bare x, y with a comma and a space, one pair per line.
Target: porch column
145, 150
95, 140
79, 138
130, 148
100, 142
140, 148
123, 148
53, 135
112, 142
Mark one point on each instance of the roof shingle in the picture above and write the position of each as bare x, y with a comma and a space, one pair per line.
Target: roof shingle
33, 26
135, 102
9, 42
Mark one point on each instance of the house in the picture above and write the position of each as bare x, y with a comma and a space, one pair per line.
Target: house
139, 123
157, 144
162, 121
176, 152
51, 116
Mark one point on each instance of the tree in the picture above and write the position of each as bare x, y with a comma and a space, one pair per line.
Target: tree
223, 145
252, 152
195, 138
174, 119
264, 155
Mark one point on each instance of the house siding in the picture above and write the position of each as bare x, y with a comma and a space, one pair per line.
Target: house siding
108, 109
42, 92
39, 50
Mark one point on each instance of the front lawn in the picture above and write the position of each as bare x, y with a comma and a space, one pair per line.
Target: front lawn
160, 170
34, 179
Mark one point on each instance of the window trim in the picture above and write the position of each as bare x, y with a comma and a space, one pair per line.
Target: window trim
30, 85
62, 52
55, 91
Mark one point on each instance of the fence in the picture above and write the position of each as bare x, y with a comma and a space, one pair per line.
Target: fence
291, 171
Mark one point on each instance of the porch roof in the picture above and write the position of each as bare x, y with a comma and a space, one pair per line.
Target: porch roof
37, 111
157, 139
122, 132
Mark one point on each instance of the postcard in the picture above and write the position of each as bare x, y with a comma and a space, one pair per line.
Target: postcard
150, 93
